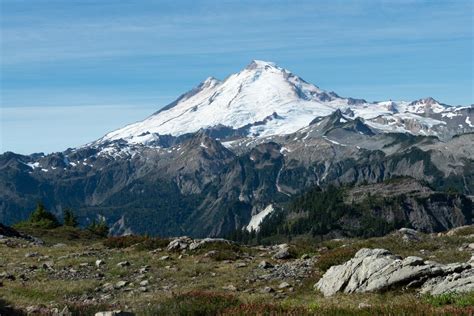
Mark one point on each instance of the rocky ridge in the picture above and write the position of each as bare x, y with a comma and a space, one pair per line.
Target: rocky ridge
379, 270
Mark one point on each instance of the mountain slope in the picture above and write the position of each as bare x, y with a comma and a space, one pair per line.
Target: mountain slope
270, 100
211, 161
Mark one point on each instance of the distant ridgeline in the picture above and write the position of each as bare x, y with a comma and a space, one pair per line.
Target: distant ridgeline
364, 211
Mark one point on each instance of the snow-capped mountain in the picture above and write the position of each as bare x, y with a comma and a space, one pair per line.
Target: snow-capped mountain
228, 153
269, 100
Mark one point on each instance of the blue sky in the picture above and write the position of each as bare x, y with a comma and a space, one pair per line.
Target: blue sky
73, 70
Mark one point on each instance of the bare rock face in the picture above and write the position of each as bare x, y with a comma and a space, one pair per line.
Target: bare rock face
202, 242
456, 282
408, 235
180, 243
283, 252
377, 270
187, 243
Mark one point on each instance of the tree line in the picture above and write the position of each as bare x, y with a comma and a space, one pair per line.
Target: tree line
42, 218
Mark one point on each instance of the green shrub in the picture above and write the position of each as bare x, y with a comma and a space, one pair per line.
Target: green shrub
456, 299
195, 303
99, 228
265, 309
69, 218
40, 218
335, 257
464, 231
140, 242
220, 251
153, 243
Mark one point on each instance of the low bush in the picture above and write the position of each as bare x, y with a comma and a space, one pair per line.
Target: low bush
456, 299
140, 242
195, 303
335, 257
220, 251
40, 218
99, 228
153, 243
222, 255
265, 309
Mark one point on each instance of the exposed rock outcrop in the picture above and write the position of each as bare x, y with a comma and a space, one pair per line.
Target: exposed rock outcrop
456, 282
6, 231
183, 243
378, 270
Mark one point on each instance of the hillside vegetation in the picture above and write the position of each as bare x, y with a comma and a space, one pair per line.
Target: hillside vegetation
142, 275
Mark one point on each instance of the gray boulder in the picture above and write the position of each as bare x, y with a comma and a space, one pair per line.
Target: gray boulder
201, 243
408, 235
453, 283
265, 265
283, 252
180, 243
377, 269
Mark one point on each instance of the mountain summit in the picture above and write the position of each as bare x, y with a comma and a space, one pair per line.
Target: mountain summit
249, 96
269, 100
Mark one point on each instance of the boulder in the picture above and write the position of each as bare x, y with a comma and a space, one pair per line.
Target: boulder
240, 265
452, 283
6, 231
267, 289
32, 255
377, 270
283, 252
265, 265
120, 284
408, 235
457, 230
65, 312
206, 241
230, 288
180, 243
144, 269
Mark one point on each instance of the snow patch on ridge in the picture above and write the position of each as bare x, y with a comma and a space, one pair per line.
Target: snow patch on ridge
33, 165
257, 219
468, 121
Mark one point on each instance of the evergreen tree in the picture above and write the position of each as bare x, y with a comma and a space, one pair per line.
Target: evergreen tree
42, 218
99, 228
69, 218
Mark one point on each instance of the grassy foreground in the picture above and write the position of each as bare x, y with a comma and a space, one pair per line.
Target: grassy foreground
138, 274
